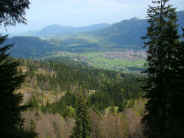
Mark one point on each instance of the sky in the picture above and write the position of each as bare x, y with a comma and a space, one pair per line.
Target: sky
83, 12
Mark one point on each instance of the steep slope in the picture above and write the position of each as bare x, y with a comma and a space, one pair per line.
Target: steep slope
29, 47
129, 32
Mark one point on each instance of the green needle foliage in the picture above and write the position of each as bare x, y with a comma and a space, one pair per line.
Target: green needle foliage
82, 127
10, 109
11, 126
164, 84
9, 81
13, 11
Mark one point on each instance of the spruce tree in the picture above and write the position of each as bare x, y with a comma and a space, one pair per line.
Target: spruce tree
176, 113
164, 53
11, 126
10, 79
82, 127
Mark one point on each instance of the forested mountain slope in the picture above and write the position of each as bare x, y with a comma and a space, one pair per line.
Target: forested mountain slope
29, 47
52, 89
129, 32
117, 37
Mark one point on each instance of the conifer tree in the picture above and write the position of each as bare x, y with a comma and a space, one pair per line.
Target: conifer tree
10, 79
164, 53
176, 113
82, 127
11, 126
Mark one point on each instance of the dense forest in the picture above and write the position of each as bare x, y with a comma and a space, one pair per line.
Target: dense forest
52, 88
104, 88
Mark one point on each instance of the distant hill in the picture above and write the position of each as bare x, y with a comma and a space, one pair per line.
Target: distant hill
123, 35
102, 37
55, 30
129, 32
126, 32
29, 47
180, 20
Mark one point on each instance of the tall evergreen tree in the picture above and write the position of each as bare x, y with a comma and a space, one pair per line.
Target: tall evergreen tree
164, 53
10, 109
11, 126
82, 127
176, 113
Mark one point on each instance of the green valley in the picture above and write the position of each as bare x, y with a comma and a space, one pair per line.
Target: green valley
117, 47
127, 61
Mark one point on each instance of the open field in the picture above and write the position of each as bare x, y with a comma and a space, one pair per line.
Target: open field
126, 61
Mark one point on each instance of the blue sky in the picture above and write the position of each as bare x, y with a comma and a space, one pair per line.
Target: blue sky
83, 12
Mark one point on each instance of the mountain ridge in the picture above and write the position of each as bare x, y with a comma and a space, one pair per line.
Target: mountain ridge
56, 29
132, 31
116, 37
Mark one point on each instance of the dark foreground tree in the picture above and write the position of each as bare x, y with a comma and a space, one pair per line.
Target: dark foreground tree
165, 73
13, 11
82, 127
11, 123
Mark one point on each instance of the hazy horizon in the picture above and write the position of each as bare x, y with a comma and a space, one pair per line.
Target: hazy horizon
78, 13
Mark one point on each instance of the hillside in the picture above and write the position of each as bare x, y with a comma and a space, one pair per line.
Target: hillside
52, 89
43, 77
128, 33
29, 47
55, 30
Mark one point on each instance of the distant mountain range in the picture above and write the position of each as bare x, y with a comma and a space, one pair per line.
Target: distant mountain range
129, 32
55, 30
124, 33
102, 37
